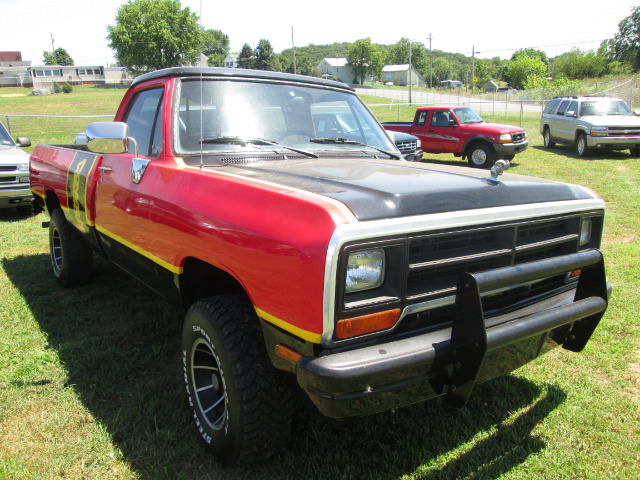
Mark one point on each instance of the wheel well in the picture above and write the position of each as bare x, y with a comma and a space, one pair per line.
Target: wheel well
51, 201
578, 133
475, 141
200, 280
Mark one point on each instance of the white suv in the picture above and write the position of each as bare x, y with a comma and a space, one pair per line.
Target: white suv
590, 123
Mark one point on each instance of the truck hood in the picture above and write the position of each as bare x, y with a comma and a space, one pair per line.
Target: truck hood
613, 120
377, 189
10, 155
487, 127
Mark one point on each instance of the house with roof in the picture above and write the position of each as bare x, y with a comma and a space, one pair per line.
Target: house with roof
403, 75
338, 68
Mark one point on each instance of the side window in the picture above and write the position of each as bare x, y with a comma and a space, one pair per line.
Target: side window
144, 119
563, 107
422, 118
551, 106
440, 118
573, 107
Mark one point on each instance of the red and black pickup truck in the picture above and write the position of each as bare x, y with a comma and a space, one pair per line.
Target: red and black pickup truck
309, 255
461, 131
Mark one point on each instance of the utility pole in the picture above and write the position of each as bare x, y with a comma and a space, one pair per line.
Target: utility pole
430, 64
294, 52
410, 72
473, 70
53, 51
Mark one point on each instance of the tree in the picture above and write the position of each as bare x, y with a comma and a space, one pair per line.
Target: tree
58, 57
365, 58
215, 46
517, 72
530, 53
153, 34
578, 65
265, 57
246, 57
625, 45
398, 54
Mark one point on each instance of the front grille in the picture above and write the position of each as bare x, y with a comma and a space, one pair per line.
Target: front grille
436, 261
8, 179
623, 132
518, 136
423, 269
408, 146
8, 168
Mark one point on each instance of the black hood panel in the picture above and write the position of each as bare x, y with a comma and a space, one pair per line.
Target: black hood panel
376, 189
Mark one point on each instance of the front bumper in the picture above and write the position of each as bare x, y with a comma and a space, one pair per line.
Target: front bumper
613, 143
15, 196
503, 149
471, 349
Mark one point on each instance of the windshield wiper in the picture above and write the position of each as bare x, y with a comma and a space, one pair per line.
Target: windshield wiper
344, 141
244, 141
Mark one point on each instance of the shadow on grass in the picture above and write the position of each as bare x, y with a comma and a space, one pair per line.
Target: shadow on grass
570, 152
120, 345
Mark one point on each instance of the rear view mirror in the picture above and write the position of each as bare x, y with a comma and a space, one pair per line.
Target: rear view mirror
107, 137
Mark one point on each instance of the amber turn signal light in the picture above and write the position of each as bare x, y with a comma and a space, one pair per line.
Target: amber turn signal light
352, 327
287, 353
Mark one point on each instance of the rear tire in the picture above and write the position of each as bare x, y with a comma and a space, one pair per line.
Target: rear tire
71, 256
241, 407
480, 155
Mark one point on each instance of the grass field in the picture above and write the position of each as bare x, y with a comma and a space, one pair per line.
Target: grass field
90, 381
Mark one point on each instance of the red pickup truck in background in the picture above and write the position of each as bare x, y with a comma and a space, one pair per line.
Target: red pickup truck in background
461, 131
310, 256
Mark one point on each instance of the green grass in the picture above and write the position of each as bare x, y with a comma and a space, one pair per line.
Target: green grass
90, 381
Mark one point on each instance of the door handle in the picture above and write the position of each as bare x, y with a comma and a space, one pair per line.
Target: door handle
104, 169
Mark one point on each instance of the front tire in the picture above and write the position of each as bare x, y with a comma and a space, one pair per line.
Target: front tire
547, 139
71, 256
480, 155
241, 408
581, 145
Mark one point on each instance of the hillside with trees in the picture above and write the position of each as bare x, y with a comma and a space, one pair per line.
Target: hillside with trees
151, 34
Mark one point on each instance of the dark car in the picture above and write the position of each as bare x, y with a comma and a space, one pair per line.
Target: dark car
409, 145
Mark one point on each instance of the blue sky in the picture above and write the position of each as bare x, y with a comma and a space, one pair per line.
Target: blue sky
80, 26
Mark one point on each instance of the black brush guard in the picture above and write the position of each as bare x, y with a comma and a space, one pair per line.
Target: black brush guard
388, 375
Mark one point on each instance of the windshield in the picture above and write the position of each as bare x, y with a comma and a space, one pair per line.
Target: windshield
233, 116
5, 138
605, 107
467, 115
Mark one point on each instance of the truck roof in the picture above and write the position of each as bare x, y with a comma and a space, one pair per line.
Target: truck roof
239, 73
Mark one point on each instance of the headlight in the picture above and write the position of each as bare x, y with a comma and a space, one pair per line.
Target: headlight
365, 270
505, 138
585, 231
23, 167
599, 131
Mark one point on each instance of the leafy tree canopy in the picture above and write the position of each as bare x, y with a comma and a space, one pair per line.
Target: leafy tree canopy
215, 45
517, 72
625, 46
153, 34
265, 57
58, 57
246, 57
530, 53
365, 58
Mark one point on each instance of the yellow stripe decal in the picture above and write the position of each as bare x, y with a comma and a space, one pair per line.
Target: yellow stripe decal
298, 332
144, 253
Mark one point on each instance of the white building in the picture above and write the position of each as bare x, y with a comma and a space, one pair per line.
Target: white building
338, 68
402, 75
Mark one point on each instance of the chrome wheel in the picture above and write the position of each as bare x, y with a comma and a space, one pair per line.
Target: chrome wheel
208, 384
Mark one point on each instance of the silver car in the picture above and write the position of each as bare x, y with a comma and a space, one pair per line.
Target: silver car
15, 188
590, 124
